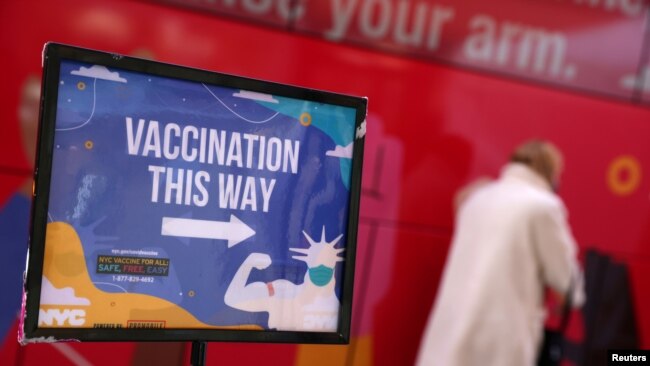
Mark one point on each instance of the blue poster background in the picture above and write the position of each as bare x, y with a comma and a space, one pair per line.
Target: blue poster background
105, 193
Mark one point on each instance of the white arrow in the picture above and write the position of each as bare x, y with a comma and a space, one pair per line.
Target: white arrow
234, 231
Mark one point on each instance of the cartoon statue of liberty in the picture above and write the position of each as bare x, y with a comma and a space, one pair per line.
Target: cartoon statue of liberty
310, 306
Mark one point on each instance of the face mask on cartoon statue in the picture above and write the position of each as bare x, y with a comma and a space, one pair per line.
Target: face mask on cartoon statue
321, 258
321, 275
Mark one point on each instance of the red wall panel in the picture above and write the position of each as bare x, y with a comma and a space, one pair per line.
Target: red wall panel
431, 129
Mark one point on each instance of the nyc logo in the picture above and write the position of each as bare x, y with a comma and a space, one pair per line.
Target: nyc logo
61, 317
60, 307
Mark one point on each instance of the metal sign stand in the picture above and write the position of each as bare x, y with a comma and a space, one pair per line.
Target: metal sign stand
197, 357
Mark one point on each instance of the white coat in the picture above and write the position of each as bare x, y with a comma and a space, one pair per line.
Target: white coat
511, 239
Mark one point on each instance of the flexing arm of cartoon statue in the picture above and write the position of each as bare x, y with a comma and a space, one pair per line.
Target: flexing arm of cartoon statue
253, 296
247, 297
311, 305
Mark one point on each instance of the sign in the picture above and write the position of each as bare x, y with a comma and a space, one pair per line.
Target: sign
179, 204
594, 46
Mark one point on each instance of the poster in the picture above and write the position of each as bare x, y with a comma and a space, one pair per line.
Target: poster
177, 204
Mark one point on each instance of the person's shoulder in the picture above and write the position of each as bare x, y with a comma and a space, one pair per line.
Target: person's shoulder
547, 202
469, 190
530, 198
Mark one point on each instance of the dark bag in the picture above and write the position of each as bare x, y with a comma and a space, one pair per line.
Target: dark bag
552, 350
609, 314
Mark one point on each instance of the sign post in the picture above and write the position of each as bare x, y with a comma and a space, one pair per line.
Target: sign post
199, 353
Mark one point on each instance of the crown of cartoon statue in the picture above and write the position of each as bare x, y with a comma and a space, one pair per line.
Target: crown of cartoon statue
319, 253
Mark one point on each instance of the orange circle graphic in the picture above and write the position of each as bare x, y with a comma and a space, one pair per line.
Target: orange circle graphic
624, 175
305, 119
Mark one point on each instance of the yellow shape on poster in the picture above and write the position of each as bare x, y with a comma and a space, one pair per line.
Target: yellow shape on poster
65, 268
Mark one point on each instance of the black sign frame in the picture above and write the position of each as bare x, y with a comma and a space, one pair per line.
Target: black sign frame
53, 54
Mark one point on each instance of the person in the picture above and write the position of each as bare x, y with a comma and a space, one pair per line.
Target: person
14, 216
511, 242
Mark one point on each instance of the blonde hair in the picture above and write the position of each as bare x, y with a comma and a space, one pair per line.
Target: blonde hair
542, 157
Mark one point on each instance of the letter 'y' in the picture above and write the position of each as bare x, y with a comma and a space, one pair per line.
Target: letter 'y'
341, 16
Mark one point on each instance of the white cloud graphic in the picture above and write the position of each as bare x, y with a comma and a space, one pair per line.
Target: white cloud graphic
341, 152
260, 97
630, 81
51, 295
99, 72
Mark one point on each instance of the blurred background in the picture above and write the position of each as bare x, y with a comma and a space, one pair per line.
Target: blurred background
453, 87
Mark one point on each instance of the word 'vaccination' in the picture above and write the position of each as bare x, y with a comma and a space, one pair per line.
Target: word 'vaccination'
200, 146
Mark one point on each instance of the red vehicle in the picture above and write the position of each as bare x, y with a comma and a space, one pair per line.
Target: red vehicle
444, 110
